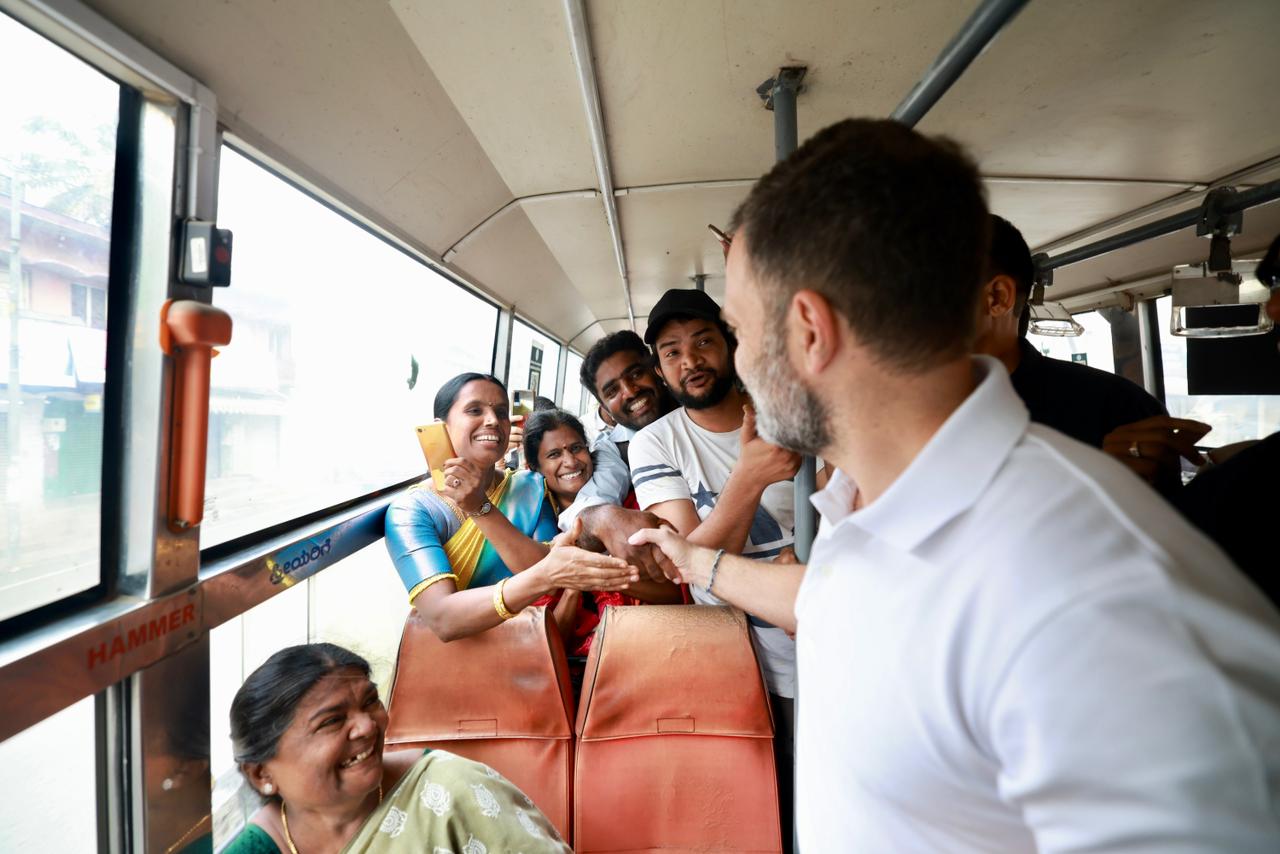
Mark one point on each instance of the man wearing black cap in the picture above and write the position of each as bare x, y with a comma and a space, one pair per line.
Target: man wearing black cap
703, 469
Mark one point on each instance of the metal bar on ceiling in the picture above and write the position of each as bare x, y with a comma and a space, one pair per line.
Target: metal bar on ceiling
519, 201
1191, 193
1243, 200
963, 49
580, 42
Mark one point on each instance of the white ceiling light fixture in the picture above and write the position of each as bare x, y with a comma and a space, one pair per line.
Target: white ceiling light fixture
1052, 319
1196, 286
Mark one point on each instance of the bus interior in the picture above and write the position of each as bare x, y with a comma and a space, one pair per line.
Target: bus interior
402, 190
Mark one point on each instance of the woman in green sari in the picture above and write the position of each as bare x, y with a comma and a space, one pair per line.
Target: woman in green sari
478, 550
308, 730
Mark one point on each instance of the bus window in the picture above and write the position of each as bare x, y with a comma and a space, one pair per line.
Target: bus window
575, 396
1093, 348
50, 800
57, 164
358, 603
341, 341
1235, 417
535, 358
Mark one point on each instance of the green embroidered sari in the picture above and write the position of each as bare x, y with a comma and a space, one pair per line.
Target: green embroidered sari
444, 804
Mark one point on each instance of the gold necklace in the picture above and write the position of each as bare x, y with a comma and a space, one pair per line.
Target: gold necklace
284, 818
175, 846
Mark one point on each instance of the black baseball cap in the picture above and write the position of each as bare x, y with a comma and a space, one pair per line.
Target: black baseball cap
681, 302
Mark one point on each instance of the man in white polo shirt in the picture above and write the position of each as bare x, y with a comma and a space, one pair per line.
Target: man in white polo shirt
1005, 640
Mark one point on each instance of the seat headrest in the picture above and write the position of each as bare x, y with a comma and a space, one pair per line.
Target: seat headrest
673, 669
508, 682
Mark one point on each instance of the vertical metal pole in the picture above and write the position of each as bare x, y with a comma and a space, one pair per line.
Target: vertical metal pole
1152, 361
700, 282
785, 140
784, 119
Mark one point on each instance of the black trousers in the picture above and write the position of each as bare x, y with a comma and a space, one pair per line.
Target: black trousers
784, 738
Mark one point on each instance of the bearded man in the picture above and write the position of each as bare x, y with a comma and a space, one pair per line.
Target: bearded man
1007, 642
703, 469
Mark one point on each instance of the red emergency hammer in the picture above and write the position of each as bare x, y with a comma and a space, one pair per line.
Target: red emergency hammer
189, 331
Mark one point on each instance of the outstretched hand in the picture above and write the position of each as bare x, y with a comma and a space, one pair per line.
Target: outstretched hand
1154, 445
573, 568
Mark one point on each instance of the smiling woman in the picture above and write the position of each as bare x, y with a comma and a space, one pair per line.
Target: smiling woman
308, 729
475, 552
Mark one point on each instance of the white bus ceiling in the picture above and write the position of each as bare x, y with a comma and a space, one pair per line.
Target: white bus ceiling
429, 117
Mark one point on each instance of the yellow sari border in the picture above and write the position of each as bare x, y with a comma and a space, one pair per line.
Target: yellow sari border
425, 583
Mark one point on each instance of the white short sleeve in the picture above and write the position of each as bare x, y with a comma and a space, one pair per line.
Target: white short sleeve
655, 474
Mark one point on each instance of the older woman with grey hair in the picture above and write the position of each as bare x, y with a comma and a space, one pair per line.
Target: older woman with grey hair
308, 729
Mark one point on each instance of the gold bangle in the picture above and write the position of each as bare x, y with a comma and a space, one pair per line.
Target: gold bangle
498, 604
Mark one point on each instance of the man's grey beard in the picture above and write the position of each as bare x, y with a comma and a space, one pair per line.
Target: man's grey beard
788, 414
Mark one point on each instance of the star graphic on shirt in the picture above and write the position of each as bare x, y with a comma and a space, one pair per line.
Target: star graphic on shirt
704, 497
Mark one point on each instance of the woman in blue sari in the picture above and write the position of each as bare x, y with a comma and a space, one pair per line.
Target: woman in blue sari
476, 552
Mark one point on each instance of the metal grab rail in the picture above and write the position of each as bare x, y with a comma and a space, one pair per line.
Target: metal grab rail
972, 39
86, 652
1243, 200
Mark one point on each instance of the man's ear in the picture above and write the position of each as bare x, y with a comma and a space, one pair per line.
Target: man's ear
816, 325
1000, 296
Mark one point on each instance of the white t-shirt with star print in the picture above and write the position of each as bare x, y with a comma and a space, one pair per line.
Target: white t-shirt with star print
673, 458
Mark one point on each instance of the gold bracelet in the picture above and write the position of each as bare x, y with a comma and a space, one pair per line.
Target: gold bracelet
498, 604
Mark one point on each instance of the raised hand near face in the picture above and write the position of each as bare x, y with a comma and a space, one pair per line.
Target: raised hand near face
765, 462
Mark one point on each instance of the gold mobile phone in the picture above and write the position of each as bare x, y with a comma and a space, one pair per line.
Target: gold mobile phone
522, 403
437, 448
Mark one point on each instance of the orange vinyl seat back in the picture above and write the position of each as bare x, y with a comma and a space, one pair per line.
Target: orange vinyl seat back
675, 737
501, 697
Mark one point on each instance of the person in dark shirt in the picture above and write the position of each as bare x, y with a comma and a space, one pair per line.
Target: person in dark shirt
1095, 407
1234, 503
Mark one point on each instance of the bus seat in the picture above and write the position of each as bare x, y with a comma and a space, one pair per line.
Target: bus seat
501, 697
675, 736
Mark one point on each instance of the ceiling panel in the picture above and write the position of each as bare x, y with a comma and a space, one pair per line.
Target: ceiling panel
668, 242
1141, 89
1044, 211
337, 90
575, 232
677, 79
510, 255
508, 68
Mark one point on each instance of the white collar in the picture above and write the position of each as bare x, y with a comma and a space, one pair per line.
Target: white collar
948, 475
619, 433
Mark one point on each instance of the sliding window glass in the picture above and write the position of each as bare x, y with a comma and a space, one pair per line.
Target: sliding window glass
1092, 348
535, 358
341, 341
575, 396
58, 121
